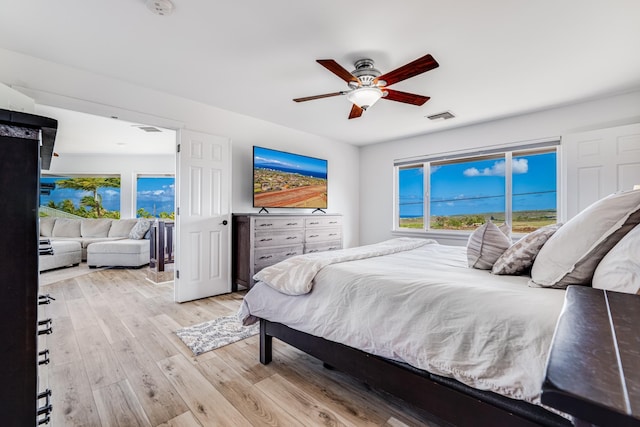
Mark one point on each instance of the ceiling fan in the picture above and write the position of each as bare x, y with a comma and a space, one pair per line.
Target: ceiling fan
367, 85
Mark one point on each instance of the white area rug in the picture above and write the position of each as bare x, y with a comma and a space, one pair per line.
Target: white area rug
215, 333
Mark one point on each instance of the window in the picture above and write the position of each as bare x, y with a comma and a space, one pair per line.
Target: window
155, 197
84, 196
517, 186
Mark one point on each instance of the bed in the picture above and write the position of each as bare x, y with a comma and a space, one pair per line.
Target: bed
456, 331
461, 333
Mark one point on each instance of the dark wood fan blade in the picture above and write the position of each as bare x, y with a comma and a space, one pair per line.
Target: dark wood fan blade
311, 98
411, 69
355, 112
337, 69
407, 98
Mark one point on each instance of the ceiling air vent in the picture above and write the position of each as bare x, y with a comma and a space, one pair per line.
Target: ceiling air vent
148, 128
441, 116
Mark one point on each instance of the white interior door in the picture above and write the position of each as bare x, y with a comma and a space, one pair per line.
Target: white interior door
598, 163
203, 223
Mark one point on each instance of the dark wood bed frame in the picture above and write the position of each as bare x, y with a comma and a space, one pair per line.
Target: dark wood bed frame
442, 397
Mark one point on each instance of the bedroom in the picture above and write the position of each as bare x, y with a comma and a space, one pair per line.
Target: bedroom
147, 97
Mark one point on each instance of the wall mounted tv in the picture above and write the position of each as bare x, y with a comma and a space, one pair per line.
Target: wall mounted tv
287, 180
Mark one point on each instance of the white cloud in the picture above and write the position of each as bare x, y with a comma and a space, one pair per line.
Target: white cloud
518, 166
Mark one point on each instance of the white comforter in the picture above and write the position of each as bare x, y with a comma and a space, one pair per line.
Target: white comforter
425, 307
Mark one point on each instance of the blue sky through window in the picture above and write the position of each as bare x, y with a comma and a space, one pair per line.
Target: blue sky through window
478, 187
156, 194
110, 196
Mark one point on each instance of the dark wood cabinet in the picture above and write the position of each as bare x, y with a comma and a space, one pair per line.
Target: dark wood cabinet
593, 370
263, 240
20, 140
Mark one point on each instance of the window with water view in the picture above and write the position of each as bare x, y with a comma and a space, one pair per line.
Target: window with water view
155, 197
462, 194
83, 196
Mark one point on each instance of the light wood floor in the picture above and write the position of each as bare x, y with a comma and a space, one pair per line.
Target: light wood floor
115, 361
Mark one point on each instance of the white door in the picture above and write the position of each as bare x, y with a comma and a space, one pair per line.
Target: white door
598, 163
203, 223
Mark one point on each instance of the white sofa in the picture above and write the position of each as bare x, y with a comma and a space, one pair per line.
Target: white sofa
103, 242
64, 254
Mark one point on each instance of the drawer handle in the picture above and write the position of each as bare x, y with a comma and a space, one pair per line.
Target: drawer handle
266, 240
266, 225
43, 357
333, 234
291, 253
265, 257
333, 222
313, 250
333, 249
292, 223
314, 223
314, 235
291, 237
47, 329
42, 412
45, 299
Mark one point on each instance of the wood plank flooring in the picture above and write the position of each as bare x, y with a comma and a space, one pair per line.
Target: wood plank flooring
116, 361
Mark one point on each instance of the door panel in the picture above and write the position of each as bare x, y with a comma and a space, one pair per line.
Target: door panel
203, 219
598, 163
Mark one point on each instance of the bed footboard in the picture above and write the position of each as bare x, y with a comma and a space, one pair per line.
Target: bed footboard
442, 397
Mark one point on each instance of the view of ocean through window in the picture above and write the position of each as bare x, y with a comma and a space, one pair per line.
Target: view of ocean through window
99, 197
155, 197
88, 197
466, 194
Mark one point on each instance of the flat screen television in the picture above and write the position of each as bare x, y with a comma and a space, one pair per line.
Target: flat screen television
288, 180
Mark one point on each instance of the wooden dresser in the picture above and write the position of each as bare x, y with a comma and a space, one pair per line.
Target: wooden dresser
262, 240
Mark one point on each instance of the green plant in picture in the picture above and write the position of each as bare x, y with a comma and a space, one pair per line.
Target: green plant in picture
94, 201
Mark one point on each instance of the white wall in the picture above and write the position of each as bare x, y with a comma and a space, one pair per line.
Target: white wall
128, 168
52, 84
376, 161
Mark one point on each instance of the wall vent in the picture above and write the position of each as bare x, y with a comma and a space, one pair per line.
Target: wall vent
441, 116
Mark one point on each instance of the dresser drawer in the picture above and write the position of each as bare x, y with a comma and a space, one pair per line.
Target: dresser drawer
322, 234
265, 257
331, 221
278, 238
273, 223
310, 248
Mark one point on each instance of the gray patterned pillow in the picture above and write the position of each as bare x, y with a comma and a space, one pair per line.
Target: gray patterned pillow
486, 244
520, 256
138, 231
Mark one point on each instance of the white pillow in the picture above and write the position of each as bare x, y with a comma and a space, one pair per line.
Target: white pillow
619, 270
519, 258
486, 244
572, 254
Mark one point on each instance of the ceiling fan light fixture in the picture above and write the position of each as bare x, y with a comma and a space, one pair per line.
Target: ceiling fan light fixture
365, 97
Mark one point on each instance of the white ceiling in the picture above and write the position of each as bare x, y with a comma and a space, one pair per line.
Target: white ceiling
81, 133
497, 57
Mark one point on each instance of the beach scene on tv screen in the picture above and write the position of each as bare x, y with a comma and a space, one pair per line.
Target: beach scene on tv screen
288, 180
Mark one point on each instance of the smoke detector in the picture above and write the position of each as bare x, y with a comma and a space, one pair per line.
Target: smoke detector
160, 7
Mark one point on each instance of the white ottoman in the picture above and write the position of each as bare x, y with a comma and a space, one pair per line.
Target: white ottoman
65, 254
118, 253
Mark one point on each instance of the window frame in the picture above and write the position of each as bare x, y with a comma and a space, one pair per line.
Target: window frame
507, 151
